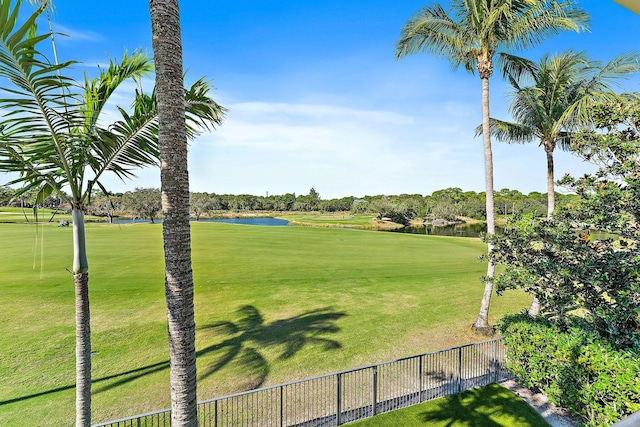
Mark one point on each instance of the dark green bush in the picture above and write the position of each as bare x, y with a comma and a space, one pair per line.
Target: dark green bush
574, 368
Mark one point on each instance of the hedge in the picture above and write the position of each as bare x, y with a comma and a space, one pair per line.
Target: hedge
574, 368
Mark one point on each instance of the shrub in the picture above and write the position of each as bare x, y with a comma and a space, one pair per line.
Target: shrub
573, 367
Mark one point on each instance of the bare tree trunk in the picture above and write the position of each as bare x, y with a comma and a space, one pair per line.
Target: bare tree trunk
172, 138
482, 322
83, 324
551, 191
534, 308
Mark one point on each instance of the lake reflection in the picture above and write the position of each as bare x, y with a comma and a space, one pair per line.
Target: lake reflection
457, 230
251, 221
244, 221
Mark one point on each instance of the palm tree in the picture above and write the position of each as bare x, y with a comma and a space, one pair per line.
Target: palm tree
470, 35
167, 48
556, 104
52, 139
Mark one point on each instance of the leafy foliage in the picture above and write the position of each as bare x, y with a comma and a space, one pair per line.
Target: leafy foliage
563, 262
573, 368
144, 203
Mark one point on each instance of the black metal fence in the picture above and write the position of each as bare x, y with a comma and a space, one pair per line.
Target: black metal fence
338, 398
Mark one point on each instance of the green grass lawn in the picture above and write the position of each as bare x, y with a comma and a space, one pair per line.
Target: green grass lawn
490, 406
273, 304
26, 215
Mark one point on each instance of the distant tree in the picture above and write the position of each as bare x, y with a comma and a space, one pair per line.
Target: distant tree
219, 202
303, 203
359, 206
144, 203
6, 194
532, 206
444, 209
506, 200
104, 205
388, 209
199, 204
287, 201
314, 198
473, 207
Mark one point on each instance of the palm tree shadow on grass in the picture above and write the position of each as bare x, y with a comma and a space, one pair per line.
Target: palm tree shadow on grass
490, 406
249, 334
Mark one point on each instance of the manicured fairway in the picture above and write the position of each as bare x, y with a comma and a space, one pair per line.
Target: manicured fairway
273, 304
492, 405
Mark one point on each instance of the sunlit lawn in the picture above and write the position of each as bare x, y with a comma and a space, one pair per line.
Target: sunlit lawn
273, 304
490, 406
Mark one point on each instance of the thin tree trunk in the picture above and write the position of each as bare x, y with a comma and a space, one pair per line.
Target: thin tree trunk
83, 325
482, 322
551, 191
534, 308
172, 138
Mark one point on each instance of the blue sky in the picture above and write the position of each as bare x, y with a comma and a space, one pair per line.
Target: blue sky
316, 98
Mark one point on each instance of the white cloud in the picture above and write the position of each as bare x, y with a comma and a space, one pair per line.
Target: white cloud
70, 34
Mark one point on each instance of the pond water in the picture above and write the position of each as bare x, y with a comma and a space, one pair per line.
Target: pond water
245, 221
457, 230
251, 221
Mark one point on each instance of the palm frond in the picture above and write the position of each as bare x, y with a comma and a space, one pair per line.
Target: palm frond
432, 30
511, 133
34, 96
99, 89
516, 69
533, 22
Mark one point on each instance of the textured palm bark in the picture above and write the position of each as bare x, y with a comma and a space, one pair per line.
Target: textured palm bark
83, 316
83, 351
482, 322
172, 138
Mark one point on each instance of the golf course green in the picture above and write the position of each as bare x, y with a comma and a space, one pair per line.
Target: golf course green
273, 304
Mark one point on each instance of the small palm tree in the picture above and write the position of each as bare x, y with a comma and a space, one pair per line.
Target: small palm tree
470, 36
53, 139
556, 105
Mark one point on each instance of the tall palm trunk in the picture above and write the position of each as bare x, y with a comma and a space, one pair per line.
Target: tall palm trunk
83, 326
482, 322
172, 138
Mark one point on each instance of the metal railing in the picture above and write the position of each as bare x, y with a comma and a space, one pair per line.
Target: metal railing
341, 397
632, 420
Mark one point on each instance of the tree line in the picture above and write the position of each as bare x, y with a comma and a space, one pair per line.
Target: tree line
449, 204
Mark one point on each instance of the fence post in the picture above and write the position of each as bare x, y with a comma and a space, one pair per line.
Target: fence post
459, 369
420, 373
375, 390
281, 406
495, 361
215, 413
339, 410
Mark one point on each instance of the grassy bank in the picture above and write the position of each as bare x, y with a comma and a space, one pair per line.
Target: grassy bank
338, 220
273, 304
